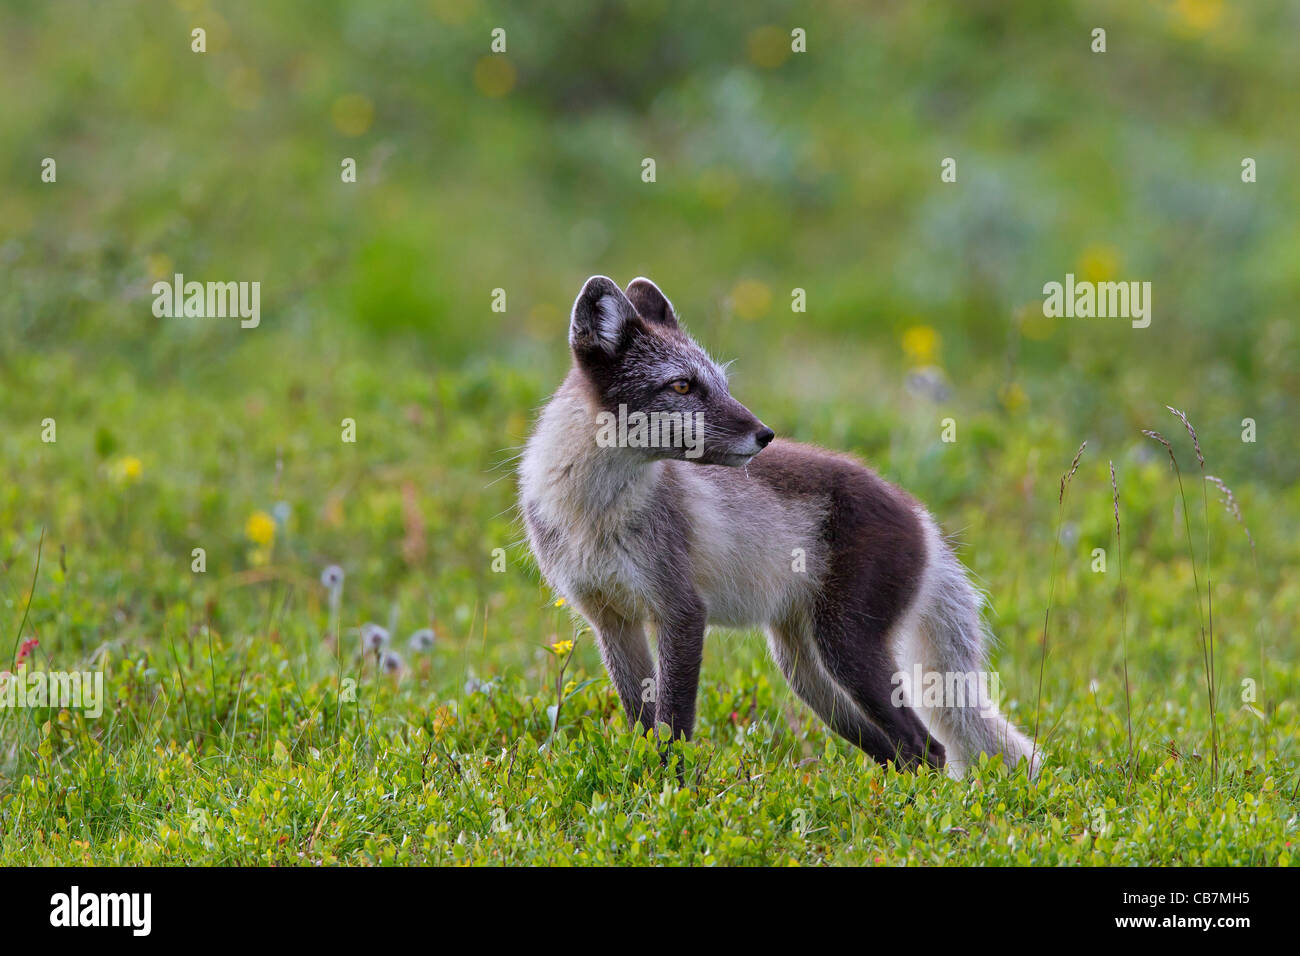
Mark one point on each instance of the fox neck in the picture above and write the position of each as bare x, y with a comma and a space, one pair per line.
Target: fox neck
569, 478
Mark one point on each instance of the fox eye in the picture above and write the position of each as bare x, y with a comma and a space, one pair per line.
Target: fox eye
681, 386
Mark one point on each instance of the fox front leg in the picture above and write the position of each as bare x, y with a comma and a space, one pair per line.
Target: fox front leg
626, 653
680, 630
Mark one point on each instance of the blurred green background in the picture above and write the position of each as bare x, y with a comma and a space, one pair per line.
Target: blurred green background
775, 170
521, 171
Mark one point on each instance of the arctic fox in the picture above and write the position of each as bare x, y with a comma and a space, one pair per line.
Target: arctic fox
721, 524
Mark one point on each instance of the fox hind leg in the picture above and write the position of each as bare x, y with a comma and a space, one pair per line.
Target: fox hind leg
795, 652
865, 672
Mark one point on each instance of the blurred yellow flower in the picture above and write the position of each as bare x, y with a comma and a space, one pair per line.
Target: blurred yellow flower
1032, 323
1098, 263
454, 12
560, 648
1012, 396
1199, 15
751, 298
768, 47
352, 114
559, 602
159, 266
260, 528
921, 344
494, 75
126, 470
244, 87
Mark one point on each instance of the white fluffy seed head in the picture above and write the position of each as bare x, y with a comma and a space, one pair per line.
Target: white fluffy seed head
422, 640
332, 577
374, 637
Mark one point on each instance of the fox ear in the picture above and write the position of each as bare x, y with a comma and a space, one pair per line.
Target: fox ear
600, 314
651, 304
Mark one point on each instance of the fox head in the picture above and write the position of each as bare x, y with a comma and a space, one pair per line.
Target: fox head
657, 391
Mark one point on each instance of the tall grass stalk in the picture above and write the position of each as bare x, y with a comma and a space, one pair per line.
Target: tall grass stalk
1229, 502
1123, 618
1200, 610
1051, 591
1209, 590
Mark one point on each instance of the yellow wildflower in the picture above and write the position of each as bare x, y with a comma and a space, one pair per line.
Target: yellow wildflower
126, 470
1198, 16
1013, 396
352, 114
494, 76
768, 47
920, 344
1098, 263
751, 298
260, 528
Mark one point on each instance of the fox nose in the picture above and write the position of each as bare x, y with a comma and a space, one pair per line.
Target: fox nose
764, 437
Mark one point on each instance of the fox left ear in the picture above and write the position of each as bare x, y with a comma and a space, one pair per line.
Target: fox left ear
651, 304
600, 314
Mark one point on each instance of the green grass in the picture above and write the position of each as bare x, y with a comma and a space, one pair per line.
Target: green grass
223, 742
225, 739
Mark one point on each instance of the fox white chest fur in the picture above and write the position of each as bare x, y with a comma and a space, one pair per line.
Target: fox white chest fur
847, 574
746, 572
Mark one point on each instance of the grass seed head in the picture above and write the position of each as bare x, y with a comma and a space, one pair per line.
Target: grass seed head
1114, 494
1229, 501
1164, 441
1196, 442
1065, 478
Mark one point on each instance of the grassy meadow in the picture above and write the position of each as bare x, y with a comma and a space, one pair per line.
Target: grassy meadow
245, 723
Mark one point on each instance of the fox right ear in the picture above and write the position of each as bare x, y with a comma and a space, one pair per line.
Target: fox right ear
600, 314
651, 304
